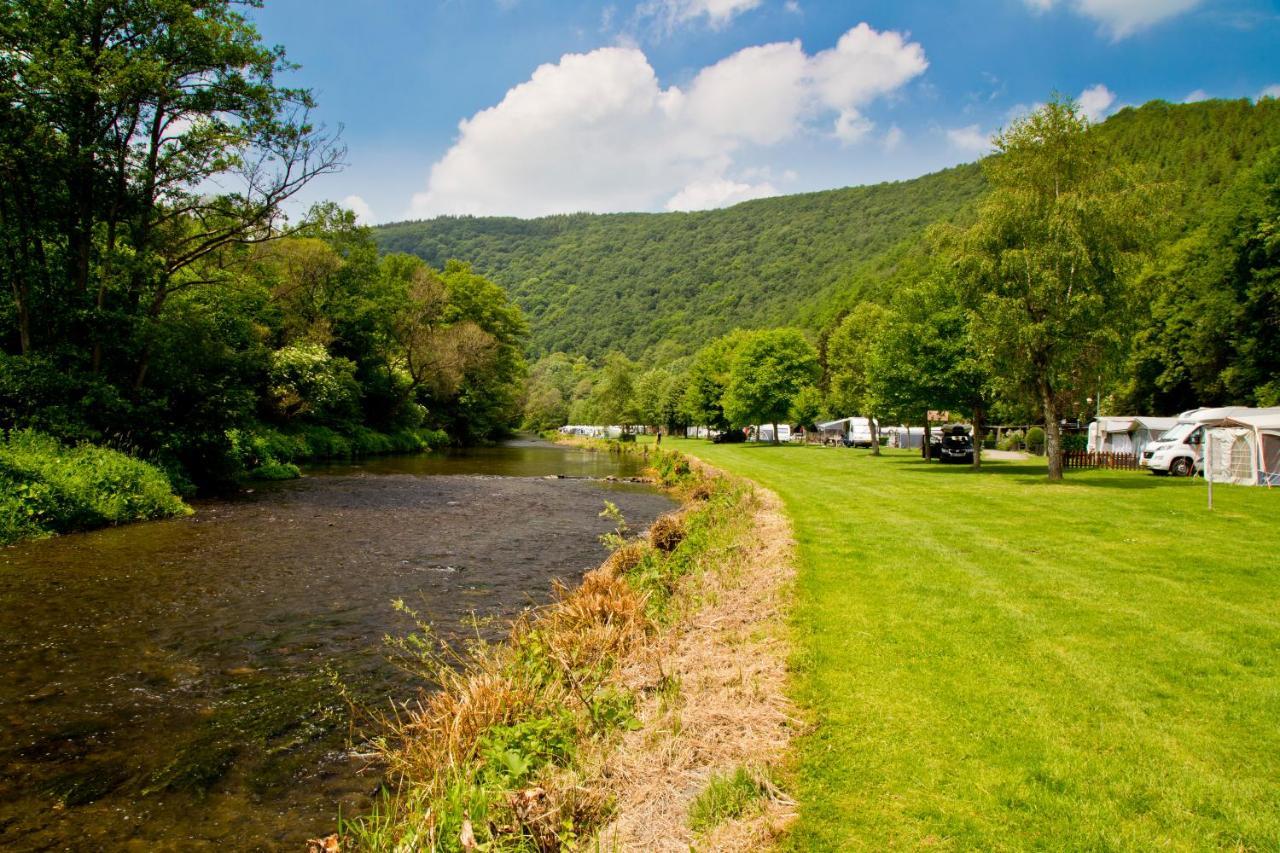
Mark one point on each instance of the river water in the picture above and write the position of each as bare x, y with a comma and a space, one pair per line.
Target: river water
186, 684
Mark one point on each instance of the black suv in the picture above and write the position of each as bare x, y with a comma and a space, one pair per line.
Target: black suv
949, 444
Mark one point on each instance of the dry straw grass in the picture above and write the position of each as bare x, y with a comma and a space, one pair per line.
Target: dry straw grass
731, 708
708, 688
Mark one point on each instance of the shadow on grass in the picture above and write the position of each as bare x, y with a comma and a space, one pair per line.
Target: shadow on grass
1035, 473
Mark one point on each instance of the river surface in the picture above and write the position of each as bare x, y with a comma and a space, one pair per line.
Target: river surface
187, 684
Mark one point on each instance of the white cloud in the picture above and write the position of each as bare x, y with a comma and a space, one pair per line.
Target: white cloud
364, 213
865, 64
1197, 95
970, 139
670, 14
892, 139
597, 132
1095, 102
721, 192
757, 94
1121, 18
1272, 91
793, 6
852, 126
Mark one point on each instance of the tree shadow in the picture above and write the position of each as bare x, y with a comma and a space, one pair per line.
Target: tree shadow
1032, 474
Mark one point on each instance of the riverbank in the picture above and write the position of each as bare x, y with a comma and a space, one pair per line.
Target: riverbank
47, 488
996, 662
644, 709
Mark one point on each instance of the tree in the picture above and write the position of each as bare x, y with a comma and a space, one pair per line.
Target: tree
708, 378
613, 397
850, 350
768, 371
116, 117
1044, 268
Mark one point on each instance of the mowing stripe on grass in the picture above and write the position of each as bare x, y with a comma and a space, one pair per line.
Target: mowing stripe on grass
996, 662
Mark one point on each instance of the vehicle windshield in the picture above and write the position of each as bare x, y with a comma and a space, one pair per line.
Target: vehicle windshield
1177, 432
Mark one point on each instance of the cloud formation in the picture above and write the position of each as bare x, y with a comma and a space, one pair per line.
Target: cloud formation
1121, 18
971, 139
672, 14
1096, 101
356, 204
1272, 91
597, 131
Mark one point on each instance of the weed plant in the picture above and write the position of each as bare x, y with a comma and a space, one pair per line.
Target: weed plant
510, 747
47, 487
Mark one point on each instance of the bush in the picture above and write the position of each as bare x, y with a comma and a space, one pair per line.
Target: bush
1035, 440
1011, 440
46, 487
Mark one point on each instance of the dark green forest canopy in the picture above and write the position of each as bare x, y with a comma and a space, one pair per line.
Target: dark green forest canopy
594, 283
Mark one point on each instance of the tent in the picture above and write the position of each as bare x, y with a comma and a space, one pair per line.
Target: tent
1127, 434
1244, 449
904, 437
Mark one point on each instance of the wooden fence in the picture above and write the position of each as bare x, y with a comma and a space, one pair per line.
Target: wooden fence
1090, 459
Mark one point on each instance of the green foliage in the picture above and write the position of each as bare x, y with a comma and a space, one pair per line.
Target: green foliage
592, 284
514, 753
149, 310
1044, 269
768, 371
46, 487
726, 796
1035, 440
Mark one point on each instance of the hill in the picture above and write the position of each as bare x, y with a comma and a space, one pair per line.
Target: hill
590, 283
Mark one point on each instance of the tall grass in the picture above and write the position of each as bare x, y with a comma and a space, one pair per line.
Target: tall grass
511, 748
47, 487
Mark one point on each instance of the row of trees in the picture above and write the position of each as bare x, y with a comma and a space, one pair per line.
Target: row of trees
1026, 311
156, 297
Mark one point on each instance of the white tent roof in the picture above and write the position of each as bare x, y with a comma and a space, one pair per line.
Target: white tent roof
1128, 423
1261, 422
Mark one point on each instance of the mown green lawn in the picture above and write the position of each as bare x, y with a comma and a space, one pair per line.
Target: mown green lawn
994, 662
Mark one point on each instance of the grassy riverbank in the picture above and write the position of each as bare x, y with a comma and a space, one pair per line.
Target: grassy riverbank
994, 662
532, 744
47, 487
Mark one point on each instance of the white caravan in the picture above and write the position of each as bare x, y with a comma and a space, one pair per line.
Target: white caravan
1180, 450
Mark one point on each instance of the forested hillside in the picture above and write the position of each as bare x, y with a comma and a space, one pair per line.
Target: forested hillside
594, 283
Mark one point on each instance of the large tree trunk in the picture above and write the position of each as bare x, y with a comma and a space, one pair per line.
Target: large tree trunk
1052, 435
926, 449
977, 437
875, 435
777, 439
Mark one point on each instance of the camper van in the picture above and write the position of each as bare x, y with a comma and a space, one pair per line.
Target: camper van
852, 432
1180, 450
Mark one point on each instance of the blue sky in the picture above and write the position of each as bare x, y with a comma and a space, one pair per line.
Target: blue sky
527, 107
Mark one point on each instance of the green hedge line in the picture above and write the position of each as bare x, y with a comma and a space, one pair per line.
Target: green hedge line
270, 454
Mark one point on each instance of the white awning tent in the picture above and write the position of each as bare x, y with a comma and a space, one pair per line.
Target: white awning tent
904, 437
1244, 449
1126, 434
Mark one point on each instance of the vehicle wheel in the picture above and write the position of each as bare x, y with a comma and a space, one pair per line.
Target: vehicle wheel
1180, 467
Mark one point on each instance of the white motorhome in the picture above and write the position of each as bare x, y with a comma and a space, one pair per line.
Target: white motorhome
1180, 450
854, 432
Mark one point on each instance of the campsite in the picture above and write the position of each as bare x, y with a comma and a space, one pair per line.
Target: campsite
639, 425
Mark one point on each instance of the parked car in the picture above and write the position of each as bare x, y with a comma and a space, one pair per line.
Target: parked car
949, 444
730, 436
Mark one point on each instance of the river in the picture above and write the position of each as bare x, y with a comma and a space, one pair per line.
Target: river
187, 684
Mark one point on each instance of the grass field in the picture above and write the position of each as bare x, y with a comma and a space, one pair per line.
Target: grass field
993, 662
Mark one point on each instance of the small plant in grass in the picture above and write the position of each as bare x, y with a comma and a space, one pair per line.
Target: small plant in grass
616, 538
726, 797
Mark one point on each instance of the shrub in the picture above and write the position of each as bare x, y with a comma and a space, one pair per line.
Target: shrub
46, 487
1011, 440
1035, 440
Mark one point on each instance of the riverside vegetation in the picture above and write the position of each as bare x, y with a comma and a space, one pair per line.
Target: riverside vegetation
515, 749
159, 303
